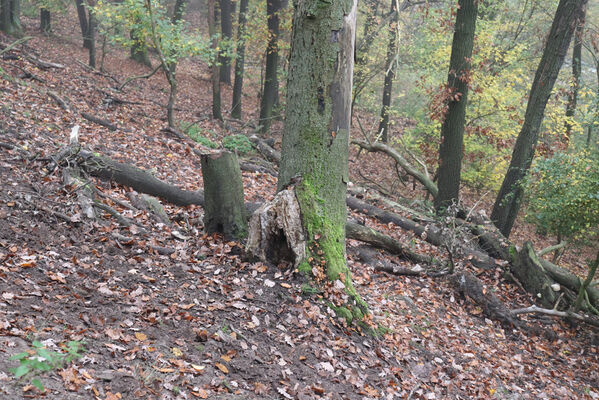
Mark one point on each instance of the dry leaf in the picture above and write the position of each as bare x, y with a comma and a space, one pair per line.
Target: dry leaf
222, 368
141, 336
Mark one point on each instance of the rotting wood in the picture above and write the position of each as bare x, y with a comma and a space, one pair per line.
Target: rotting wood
369, 257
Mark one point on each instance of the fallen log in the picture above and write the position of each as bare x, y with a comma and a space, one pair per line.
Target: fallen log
382, 241
470, 286
139, 180
266, 150
369, 257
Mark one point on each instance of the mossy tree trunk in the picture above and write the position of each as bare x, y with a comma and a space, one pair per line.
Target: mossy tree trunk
271, 80
452, 130
239, 63
10, 17
507, 203
223, 195
316, 139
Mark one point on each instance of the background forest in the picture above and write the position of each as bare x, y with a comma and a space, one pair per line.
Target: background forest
117, 283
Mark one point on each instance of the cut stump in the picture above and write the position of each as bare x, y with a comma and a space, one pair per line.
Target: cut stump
223, 195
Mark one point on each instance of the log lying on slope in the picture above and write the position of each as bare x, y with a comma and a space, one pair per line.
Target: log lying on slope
382, 241
106, 168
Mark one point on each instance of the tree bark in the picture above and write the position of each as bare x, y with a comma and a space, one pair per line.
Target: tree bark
10, 17
315, 143
390, 64
45, 20
226, 26
452, 130
507, 203
223, 195
576, 69
81, 13
239, 63
271, 81
216, 112
91, 34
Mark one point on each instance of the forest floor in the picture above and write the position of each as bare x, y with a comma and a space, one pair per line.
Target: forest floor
202, 322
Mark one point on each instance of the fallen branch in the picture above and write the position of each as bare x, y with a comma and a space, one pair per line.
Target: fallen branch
266, 150
43, 64
556, 313
553, 248
409, 168
59, 100
99, 121
145, 76
15, 44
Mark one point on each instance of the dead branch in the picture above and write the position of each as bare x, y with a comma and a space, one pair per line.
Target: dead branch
99, 121
15, 44
266, 150
562, 314
553, 248
59, 100
409, 168
43, 64
145, 76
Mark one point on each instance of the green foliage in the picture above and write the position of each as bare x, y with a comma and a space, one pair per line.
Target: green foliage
563, 195
39, 359
153, 28
238, 143
198, 135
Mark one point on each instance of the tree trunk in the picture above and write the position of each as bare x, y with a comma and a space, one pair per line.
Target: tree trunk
91, 35
45, 20
315, 142
216, 113
271, 81
507, 203
390, 64
576, 69
223, 195
452, 130
10, 17
226, 26
239, 63
82, 22
171, 69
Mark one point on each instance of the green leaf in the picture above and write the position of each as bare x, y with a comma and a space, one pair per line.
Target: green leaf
21, 370
38, 384
19, 356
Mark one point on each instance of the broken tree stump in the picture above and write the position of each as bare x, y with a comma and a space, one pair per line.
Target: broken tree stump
223, 195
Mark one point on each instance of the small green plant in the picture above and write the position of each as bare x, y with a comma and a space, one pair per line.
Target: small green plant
238, 143
39, 359
195, 133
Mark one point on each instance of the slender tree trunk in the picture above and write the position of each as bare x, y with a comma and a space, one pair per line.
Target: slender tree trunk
507, 203
171, 70
45, 20
239, 63
178, 11
91, 34
82, 22
315, 142
390, 65
216, 112
226, 26
576, 69
271, 80
452, 130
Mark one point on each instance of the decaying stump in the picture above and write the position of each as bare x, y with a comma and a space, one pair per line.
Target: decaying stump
529, 271
223, 195
276, 232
